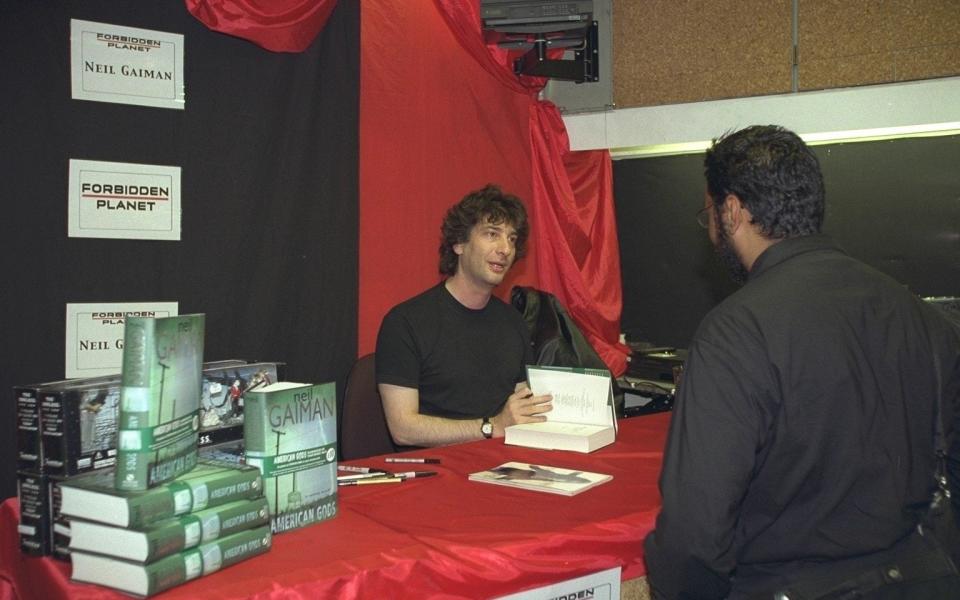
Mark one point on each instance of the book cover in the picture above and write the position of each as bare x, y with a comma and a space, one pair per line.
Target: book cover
161, 381
171, 535
229, 452
93, 496
30, 422
290, 433
154, 577
34, 525
79, 425
222, 399
583, 417
541, 478
79, 419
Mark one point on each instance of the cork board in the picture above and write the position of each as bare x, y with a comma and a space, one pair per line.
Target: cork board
669, 52
844, 43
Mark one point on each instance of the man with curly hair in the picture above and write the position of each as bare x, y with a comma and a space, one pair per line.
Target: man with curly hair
451, 361
801, 452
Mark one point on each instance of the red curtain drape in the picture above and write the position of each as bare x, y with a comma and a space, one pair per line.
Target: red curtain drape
573, 224
429, 144
277, 25
434, 125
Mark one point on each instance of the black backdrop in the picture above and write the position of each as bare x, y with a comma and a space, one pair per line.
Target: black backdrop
894, 204
268, 149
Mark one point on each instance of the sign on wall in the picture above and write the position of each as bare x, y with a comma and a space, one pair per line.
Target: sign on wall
602, 585
94, 340
123, 200
110, 63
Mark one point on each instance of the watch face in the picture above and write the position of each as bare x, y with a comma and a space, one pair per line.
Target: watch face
487, 428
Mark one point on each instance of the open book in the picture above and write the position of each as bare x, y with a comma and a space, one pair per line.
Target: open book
583, 416
541, 478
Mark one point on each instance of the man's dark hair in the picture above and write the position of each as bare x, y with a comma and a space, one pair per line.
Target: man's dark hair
774, 173
488, 205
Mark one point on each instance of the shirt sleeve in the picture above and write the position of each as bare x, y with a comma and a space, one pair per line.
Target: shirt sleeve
715, 432
398, 357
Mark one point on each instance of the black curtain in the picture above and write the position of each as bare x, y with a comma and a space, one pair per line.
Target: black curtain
268, 149
894, 204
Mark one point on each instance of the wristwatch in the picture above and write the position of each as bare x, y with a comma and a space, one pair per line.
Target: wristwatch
486, 428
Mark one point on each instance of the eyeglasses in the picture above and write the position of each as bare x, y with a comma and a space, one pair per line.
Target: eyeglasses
703, 216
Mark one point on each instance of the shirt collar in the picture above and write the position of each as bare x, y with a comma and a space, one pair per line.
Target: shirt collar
788, 248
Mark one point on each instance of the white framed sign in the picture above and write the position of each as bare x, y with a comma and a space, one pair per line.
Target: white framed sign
94, 340
123, 201
125, 65
602, 585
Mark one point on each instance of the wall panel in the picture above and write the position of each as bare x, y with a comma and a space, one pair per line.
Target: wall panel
268, 148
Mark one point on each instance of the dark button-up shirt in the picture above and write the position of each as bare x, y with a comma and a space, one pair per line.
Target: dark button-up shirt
804, 424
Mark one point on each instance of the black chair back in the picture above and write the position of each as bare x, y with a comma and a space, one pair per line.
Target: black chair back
363, 427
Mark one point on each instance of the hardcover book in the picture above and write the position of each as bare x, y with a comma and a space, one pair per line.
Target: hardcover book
154, 577
583, 418
160, 389
290, 433
59, 525
93, 496
171, 535
540, 478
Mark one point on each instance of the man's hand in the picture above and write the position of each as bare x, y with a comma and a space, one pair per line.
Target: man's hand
521, 407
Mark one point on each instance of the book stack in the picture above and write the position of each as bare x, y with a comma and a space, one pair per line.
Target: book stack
69, 427
63, 428
144, 542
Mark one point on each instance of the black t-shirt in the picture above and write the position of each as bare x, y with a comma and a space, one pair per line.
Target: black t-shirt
464, 362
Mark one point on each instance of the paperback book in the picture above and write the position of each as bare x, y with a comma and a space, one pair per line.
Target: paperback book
171, 535
541, 478
154, 577
160, 389
290, 433
583, 418
93, 496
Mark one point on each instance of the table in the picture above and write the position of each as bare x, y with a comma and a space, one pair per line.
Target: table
442, 536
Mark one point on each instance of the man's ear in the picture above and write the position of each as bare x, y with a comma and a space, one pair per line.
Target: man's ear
733, 214
458, 249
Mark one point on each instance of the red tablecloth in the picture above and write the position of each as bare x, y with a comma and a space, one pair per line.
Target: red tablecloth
442, 536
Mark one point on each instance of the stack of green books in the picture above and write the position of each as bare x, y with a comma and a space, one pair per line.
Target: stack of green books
144, 542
